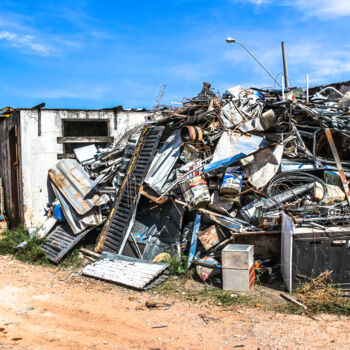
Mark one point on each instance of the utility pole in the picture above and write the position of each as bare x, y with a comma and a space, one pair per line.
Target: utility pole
285, 68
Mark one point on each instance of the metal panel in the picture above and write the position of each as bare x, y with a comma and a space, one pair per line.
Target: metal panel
131, 272
60, 242
193, 248
118, 222
78, 223
287, 229
164, 162
76, 186
232, 143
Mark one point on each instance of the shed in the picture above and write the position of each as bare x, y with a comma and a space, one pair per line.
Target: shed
33, 140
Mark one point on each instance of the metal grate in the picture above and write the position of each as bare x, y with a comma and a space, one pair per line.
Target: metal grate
117, 224
60, 241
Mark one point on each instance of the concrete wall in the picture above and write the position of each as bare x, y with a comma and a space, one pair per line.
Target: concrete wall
39, 153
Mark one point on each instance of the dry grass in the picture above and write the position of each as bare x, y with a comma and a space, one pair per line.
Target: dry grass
319, 295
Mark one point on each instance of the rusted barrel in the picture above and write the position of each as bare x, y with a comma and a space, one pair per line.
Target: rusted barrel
191, 133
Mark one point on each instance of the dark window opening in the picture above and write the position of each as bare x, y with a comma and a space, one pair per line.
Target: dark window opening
80, 133
85, 128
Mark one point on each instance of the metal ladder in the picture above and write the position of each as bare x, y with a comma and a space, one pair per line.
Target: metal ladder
117, 224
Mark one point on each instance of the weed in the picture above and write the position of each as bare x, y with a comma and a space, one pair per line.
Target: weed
73, 260
211, 295
321, 296
30, 252
178, 265
258, 275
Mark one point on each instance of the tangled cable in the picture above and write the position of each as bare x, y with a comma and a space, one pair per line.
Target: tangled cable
287, 181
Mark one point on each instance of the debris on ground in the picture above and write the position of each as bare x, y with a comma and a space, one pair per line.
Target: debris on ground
221, 172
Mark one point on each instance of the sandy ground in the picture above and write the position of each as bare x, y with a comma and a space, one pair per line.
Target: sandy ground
45, 308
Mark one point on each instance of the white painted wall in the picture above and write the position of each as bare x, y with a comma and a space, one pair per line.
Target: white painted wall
39, 153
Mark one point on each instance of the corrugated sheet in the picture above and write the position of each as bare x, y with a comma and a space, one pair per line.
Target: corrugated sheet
164, 162
131, 272
75, 185
78, 223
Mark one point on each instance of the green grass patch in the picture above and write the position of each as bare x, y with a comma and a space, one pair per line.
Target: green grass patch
72, 260
30, 253
209, 294
178, 265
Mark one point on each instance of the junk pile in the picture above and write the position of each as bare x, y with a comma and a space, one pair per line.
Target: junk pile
192, 180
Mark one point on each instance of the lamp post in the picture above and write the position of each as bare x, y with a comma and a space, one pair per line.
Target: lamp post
231, 40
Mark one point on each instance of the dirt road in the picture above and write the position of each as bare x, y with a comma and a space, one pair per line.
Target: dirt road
45, 308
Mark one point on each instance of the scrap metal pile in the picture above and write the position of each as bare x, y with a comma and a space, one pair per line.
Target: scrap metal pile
192, 178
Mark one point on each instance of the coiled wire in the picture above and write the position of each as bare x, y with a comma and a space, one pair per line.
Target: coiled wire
287, 181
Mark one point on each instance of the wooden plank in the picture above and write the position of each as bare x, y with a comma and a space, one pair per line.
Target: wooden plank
85, 139
338, 162
89, 252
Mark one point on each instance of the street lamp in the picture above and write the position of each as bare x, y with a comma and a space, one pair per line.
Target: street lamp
231, 40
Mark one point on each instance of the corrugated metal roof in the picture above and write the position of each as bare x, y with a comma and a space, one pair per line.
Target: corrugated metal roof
75, 185
132, 272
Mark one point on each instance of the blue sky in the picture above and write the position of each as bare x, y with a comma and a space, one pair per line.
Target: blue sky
97, 54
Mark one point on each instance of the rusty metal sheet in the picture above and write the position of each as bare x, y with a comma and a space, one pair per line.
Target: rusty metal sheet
75, 185
210, 237
78, 223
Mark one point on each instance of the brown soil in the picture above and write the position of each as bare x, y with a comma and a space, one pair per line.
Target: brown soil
47, 308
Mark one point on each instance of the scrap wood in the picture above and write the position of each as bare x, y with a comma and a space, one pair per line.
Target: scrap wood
289, 298
90, 253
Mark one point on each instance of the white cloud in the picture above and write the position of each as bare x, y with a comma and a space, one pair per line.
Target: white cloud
259, 2
25, 42
254, 2
322, 61
322, 8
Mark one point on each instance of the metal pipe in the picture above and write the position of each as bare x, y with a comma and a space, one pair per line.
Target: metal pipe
307, 88
331, 88
285, 68
282, 81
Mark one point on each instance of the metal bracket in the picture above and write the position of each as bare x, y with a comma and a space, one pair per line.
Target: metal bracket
39, 107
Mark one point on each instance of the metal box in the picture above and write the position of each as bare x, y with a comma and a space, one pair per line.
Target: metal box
238, 256
238, 280
238, 272
307, 252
